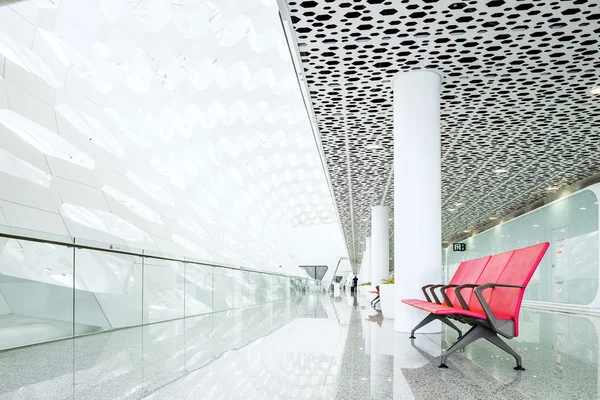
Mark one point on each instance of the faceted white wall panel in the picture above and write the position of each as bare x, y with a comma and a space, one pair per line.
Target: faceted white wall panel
4, 309
3, 96
35, 299
29, 194
32, 218
176, 127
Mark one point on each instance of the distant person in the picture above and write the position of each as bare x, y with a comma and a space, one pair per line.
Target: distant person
354, 284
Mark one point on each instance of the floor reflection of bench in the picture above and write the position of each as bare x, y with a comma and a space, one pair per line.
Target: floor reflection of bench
485, 293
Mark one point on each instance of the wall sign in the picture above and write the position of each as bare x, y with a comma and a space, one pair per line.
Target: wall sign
459, 247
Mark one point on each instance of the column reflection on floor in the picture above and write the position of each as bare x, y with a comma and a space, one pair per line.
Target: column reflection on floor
298, 360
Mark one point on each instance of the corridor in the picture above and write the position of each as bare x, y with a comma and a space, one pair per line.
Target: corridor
311, 347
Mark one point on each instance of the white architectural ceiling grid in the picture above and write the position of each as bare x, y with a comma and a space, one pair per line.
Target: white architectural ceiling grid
169, 125
518, 120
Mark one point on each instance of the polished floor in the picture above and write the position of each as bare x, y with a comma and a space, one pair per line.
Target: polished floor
315, 347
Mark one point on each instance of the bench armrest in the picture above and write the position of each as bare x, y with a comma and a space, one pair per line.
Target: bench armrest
461, 299
496, 324
445, 295
432, 290
424, 290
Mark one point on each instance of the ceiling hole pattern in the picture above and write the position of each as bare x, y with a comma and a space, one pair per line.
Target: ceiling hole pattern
514, 98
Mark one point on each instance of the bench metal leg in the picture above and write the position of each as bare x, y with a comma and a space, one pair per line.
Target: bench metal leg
433, 317
497, 340
429, 318
472, 335
451, 325
481, 332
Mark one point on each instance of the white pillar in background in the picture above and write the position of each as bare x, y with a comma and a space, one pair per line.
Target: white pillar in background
418, 193
380, 244
367, 263
361, 277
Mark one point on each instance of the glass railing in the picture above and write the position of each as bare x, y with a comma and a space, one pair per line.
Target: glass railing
52, 289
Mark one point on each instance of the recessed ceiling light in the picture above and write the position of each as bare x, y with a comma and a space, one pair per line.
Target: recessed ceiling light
493, 218
582, 208
458, 204
595, 90
535, 225
452, 209
374, 146
466, 231
552, 188
500, 170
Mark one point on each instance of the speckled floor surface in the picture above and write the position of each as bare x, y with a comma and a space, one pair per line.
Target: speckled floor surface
317, 347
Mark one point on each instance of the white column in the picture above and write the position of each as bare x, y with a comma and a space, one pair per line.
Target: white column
361, 277
418, 193
380, 243
367, 263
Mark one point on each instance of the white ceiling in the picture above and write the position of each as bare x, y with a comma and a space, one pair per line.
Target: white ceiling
170, 125
518, 121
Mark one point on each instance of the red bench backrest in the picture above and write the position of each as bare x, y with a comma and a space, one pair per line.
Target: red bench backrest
467, 272
490, 274
518, 271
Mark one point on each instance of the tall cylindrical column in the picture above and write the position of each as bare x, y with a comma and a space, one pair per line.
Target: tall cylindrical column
380, 243
361, 277
367, 263
418, 193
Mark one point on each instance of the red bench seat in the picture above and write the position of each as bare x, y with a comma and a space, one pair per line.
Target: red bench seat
442, 309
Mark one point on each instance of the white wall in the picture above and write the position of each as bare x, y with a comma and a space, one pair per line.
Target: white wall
319, 245
567, 277
4, 309
175, 129
178, 128
344, 269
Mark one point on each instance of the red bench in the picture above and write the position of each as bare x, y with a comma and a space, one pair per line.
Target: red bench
486, 294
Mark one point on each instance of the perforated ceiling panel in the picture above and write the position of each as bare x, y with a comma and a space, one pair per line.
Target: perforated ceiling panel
518, 120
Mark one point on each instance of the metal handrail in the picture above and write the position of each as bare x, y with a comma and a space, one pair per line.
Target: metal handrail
108, 249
